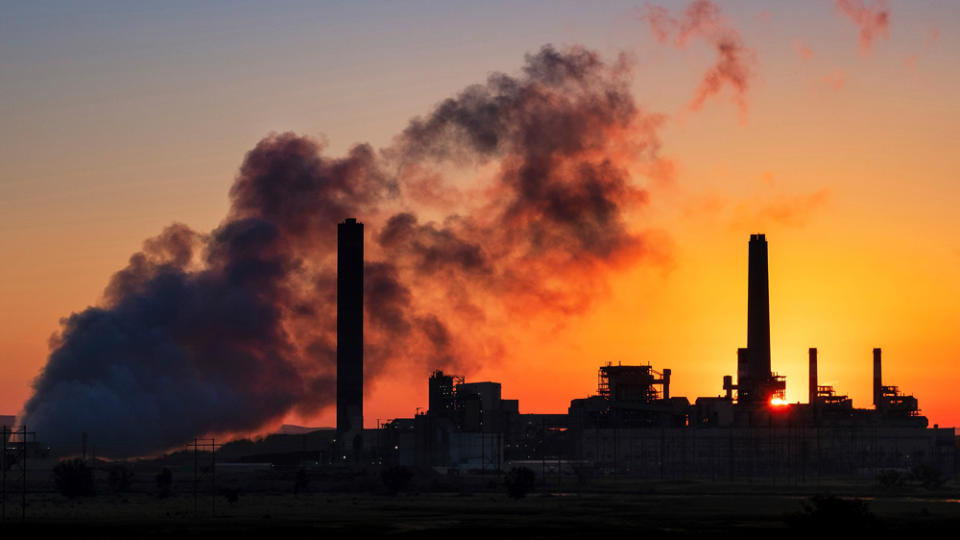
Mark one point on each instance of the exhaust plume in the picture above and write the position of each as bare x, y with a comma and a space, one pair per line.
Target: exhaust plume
702, 19
514, 198
873, 19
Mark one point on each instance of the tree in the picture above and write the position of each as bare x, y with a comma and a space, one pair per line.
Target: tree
73, 478
519, 481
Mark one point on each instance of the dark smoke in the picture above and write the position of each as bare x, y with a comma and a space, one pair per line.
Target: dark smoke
513, 199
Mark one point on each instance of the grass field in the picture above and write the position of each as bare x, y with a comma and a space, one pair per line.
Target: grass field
609, 507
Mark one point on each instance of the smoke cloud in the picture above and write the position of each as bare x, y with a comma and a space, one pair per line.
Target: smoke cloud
514, 198
873, 19
703, 19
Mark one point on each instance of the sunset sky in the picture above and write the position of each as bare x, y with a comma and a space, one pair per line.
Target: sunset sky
839, 142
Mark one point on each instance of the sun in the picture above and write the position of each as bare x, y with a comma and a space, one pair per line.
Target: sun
777, 401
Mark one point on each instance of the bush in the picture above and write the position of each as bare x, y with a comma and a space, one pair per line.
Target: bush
231, 494
164, 483
519, 481
396, 478
120, 478
584, 474
302, 483
929, 476
73, 478
890, 479
829, 512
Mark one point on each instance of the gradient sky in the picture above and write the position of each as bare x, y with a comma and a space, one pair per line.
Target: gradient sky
119, 119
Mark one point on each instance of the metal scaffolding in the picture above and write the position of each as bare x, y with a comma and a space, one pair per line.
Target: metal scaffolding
13, 463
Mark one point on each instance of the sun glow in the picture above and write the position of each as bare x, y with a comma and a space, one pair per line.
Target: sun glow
777, 401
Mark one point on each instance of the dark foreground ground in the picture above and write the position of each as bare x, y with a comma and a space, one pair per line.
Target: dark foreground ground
681, 510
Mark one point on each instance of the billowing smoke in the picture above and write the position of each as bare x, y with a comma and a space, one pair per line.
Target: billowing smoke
514, 198
703, 19
873, 19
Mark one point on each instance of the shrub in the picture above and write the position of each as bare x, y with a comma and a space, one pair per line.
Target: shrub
396, 478
302, 483
929, 476
519, 481
829, 512
120, 478
164, 483
73, 478
231, 494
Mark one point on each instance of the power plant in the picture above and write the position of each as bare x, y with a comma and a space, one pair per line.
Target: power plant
635, 426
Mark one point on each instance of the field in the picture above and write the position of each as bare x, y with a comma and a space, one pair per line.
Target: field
605, 507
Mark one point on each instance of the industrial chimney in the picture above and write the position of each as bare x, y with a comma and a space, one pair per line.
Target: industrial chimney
877, 377
758, 310
350, 332
753, 363
813, 376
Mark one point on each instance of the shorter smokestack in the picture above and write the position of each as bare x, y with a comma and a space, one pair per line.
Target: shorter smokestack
813, 375
728, 386
666, 383
877, 384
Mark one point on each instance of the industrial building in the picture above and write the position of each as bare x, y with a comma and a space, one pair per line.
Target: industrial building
634, 426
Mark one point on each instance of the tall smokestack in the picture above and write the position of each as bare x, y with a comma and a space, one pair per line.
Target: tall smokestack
813, 376
877, 384
349, 331
758, 310
753, 362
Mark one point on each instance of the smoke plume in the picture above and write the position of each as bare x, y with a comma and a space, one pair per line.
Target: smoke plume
702, 19
513, 198
873, 19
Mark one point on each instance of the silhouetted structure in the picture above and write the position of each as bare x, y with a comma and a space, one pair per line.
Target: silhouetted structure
893, 405
812, 388
824, 398
755, 382
350, 333
441, 396
633, 426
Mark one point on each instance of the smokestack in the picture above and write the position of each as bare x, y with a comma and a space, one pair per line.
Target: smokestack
666, 383
349, 330
758, 310
877, 384
813, 376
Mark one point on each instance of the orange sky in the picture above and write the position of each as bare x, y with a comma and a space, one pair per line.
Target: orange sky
845, 157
